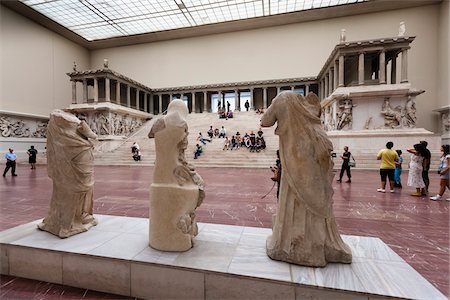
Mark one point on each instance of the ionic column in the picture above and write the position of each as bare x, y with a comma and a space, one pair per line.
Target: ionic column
265, 97
325, 86
74, 92
205, 98
118, 92
404, 73
361, 69
151, 105
137, 99
335, 75
193, 102
145, 102
330, 81
278, 89
382, 71
341, 70
237, 101
107, 90
85, 91
306, 89
160, 96
171, 97
95, 90
394, 70
128, 96
252, 102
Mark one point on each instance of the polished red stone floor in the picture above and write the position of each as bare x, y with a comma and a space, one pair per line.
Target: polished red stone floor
416, 228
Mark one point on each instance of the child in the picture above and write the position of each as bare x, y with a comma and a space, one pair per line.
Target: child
398, 170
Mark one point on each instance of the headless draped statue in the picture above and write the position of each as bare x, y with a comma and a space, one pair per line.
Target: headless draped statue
177, 190
304, 228
70, 164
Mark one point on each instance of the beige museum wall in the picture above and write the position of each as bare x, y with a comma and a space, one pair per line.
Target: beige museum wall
280, 52
444, 52
34, 62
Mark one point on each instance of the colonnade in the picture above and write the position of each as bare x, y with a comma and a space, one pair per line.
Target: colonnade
100, 86
200, 99
371, 59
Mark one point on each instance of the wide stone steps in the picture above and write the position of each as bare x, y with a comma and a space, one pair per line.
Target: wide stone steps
213, 153
214, 156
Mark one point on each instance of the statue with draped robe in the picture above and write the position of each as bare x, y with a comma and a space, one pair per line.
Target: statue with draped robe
304, 230
70, 164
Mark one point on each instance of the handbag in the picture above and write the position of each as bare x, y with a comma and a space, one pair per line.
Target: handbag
352, 163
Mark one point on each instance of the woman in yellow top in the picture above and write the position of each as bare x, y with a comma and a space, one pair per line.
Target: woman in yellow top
388, 158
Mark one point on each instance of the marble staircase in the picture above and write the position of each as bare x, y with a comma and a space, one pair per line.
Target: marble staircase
213, 153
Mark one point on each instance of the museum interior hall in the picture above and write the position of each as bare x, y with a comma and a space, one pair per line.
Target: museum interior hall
239, 149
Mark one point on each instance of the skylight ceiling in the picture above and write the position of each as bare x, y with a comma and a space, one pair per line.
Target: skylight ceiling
102, 19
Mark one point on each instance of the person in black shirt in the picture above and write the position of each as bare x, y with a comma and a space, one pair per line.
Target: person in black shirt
345, 165
426, 167
32, 153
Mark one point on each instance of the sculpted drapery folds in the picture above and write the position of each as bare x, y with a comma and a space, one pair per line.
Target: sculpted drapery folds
304, 229
177, 190
70, 166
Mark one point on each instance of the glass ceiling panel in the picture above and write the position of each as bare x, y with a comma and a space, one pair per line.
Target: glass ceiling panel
101, 19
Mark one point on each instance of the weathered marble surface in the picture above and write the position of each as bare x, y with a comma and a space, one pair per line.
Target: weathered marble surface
304, 228
71, 167
234, 253
176, 190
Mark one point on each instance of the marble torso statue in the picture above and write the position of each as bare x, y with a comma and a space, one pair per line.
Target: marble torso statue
70, 163
304, 228
177, 190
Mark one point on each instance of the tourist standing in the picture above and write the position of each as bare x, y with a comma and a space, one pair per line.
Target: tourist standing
443, 171
32, 154
388, 158
247, 105
345, 165
426, 167
415, 169
11, 158
228, 107
398, 170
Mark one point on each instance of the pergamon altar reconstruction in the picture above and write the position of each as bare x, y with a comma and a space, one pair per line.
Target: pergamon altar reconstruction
71, 168
177, 190
304, 227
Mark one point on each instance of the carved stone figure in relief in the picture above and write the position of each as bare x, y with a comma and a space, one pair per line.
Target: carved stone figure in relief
392, 116
177, 190
345, 116
409, 118
304, 228
71, 167
103, 123
445, 118
330, 124
6, 127
367, 124
41, 130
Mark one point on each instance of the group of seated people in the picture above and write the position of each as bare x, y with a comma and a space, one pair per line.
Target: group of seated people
253, 142
225, 115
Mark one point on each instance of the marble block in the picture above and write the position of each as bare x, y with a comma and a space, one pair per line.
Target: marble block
120, 261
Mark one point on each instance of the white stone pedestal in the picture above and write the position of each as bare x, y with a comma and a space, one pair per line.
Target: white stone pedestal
227, 262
